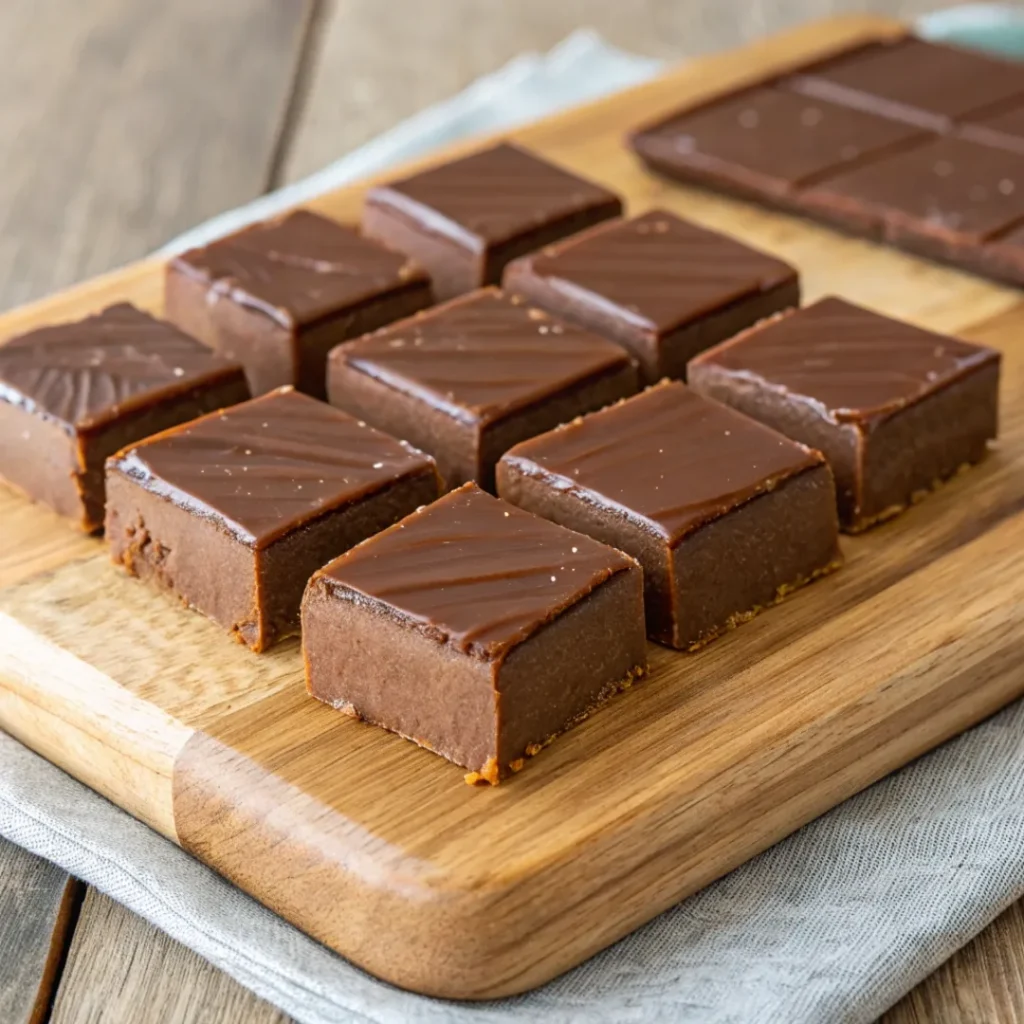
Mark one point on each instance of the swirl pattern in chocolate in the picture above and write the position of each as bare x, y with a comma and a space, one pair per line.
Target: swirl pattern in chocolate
268, 465
481, 356
667, 459
656, 271
86, 374
299, 269
847, 363
492, 196
476, 572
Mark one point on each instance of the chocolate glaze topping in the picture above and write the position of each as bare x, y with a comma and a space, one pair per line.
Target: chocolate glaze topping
299, 269
850, 365
84, 375
481, 355
476, 572
915, 81
266, 466
668, 459
656, 271
490, 197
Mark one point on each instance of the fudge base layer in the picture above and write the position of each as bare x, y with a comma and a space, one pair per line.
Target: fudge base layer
254, 594
274, 355
467, 451
882, 469
66, 471
664, 355
484, 715
456, 269
720, 574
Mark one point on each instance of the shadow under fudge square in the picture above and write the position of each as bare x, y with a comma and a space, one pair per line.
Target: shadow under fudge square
279, 295
476, 630
235, 511
894, 408
942, 198
467, 380
925, 84
765, 142
662, 287
72, 394
466, 219
725, 516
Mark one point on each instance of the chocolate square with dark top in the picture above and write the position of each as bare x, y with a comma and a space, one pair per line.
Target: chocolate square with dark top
234, 512
724, 515
664, 288
942, 198
910, 80
474, 629
895, 409
279, 295
466, 219
765, 142
71, 394
467, 380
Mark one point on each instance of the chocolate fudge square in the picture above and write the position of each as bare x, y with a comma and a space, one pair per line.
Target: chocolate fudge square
917, 82
1004, 129
474, 629
943, 198
234, 511
894, 408
725, 516
72, 394
278, 296
467, 380
466, 219
662, 287
765, 142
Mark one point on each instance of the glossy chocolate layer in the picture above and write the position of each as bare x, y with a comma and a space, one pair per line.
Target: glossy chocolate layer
768, 138
269, 465
490, 197
667, 459
88, 374
947, 187
476, 572
481, 356
657, 271
915, 81
847, 363
1004, 129
299, 269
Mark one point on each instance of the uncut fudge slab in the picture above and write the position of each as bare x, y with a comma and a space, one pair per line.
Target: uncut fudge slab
474, 629
72, 394
467, 380
466, 219
279, 295
925, 84
765, 143
944, 198
894, 408
234, 512
725, 515
662, 287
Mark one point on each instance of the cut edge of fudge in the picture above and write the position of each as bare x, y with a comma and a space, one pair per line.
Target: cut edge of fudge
494, 681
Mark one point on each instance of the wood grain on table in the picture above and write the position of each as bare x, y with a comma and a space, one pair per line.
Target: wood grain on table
124, 123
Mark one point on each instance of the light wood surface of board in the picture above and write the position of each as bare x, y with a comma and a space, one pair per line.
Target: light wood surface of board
714, 758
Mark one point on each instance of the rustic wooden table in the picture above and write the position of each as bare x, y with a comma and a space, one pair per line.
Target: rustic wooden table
124, 122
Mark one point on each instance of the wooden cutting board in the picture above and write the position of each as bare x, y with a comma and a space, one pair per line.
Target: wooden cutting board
378, 848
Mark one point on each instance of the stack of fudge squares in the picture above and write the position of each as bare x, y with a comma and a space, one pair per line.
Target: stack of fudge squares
506, 493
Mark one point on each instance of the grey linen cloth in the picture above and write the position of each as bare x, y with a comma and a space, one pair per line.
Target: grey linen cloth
833, 925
